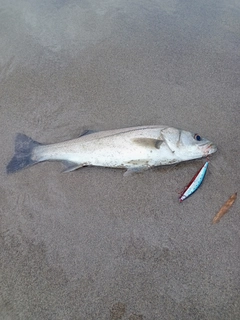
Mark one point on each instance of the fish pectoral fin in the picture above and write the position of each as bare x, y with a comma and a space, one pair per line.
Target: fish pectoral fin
158, 144
71, 166
131, 171
148, 142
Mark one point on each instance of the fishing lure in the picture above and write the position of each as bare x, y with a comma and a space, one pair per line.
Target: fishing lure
195, 183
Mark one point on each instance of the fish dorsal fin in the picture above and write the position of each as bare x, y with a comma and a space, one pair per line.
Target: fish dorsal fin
86, 132
148, 142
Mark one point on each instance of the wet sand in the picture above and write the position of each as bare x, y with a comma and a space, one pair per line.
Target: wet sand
93, 244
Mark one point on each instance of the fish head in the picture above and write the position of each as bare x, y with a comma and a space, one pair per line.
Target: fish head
187, 145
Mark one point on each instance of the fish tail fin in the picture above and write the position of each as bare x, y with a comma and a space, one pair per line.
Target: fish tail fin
22, 158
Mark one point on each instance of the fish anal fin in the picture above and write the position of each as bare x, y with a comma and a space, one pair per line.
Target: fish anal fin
71, 166
148, 142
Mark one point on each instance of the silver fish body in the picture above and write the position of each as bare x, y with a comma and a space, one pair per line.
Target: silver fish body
136, 149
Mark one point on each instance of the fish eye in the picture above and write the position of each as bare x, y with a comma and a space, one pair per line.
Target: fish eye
197, 137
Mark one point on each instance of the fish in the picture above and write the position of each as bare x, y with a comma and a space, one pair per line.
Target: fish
135, 149
225, 208
195, 183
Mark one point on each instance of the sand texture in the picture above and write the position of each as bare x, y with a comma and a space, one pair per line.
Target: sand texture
93, 244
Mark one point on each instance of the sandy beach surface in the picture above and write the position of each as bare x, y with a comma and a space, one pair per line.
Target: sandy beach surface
93, 244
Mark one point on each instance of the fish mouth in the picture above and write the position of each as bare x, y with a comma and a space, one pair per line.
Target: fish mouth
209, 149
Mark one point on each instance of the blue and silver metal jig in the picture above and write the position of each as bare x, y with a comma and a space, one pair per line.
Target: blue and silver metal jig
195, 183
